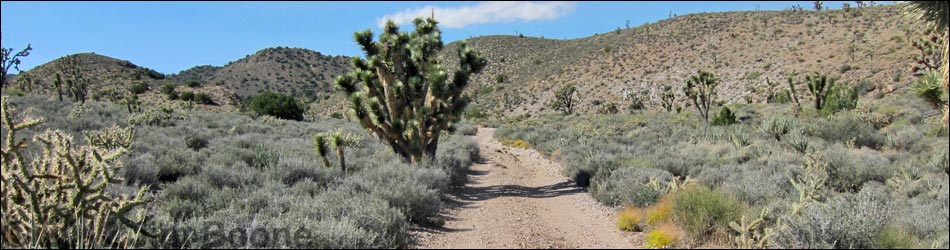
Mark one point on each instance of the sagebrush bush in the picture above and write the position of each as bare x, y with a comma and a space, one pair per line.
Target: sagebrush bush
631, 186
844, 221
702, 211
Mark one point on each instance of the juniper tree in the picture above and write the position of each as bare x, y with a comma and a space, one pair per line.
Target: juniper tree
701, 89
400, 92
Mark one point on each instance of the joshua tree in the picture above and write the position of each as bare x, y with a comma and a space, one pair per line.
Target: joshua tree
820, 86
564, 99
75, 82
701, 89
11, 61
934, 13
339, 141
321, 149
400, 92
668, 98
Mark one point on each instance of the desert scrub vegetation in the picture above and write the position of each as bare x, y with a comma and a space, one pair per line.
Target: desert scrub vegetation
864, 177
256, 184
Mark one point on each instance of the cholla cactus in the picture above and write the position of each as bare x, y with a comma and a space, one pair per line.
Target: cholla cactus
400, 92
752, 234
58, 198
811, 183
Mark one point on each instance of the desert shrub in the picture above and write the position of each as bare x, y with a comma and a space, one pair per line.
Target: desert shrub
846, 129
276, 105
169, 90
203, 98
138, 88
193, 83
465, 129
187, 96
661, 212
516, 143
455, 156
892, 237
844, 221
664, 237
630, 219
724, 118
702, 211
631, 186
412, 190
752, 184
849, 170
196, 142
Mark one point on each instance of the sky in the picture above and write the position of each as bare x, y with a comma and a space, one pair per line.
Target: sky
174, 36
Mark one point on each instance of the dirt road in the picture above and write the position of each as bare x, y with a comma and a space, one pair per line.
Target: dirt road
518, 199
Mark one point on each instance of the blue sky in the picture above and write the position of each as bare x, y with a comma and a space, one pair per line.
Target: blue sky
174, 36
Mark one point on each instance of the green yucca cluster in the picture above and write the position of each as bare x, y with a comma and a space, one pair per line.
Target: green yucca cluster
59, 198
400, 92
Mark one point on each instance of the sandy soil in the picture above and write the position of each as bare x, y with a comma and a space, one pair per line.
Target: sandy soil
518, 199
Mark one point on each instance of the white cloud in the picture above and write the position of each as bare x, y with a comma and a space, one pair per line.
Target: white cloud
484, 12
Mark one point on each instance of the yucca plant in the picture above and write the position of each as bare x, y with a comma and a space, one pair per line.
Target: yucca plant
400, 92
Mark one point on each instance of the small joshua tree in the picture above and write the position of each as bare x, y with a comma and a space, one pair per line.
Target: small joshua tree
564, 99
321, 149
11, 60
701, 89
820, 86
339, 141
400, 92
668, 99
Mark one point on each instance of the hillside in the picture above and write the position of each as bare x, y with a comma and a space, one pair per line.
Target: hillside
294, 71
870, 45
103, 73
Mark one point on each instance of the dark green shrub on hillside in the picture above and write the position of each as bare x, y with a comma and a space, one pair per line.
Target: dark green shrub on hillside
724, 118
169, 90
138, 88
187, 96
277, 105
203, 98
193, 83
